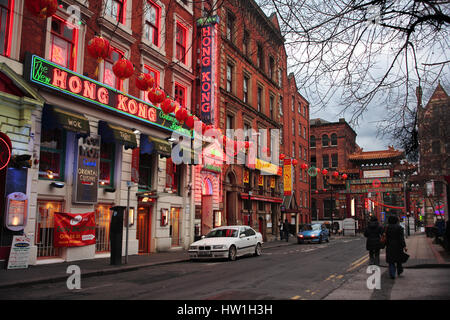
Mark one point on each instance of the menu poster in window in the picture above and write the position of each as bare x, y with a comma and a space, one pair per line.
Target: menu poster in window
74, 229
87, 170
20, 251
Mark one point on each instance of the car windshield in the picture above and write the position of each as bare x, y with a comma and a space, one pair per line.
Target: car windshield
309, 227
222, 233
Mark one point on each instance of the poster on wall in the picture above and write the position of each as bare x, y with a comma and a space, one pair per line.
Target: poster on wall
87, 170
74, 229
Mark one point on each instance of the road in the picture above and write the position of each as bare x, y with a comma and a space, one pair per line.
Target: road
297, 272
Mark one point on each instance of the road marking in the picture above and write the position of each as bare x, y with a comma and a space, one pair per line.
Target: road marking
359, 260
295, 297
330, 277
339, 276
358, 264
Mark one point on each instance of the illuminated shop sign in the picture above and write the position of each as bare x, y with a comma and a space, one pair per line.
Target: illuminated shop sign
208, 57
51, 76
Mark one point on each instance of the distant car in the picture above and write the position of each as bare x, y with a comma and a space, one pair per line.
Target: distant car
227, 242
316, 232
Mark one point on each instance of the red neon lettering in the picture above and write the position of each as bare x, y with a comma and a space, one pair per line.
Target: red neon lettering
206, 51
59, 78
132, 107
206, 76
206, 42
206, 61
206, 86
206, 96
152, 114
89, 90
75, 84
142, 111
121, 105
103, 95
206, 107
206, 31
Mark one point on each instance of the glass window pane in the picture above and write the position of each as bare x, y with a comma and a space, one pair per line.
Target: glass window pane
60, 51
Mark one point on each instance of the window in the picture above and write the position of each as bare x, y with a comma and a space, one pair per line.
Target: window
313, 183
230, 126
181, 33
63, 40
299, 129
5, 26
107, 156
334, 139
327, 207
180, 94
246, 83
109, 78
281, 135
271, 103
152, 22
45, 226
313, 162
280, 77
312, 141
326, 161
52, 154
230, 26
173, 176
229, 77
247, 132
156, 75
102, 226
280, 105
305, 154
293, 149
299, 108
246, 43
325, 140
300, 152
116, 9
271, 68
293, 103
304, 132
293, 127
260, 91
260, 57
334, 160
145, 171
325, 182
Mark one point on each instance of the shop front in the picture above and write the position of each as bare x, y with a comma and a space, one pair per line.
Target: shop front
100, 148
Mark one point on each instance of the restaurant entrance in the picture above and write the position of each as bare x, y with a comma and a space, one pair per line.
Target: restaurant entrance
143, 231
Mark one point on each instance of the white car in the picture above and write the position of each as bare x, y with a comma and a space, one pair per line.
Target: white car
227, 242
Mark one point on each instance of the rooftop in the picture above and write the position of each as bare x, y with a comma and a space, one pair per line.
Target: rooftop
390, 153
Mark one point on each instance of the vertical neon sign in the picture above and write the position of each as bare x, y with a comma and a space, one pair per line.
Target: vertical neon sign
208, 60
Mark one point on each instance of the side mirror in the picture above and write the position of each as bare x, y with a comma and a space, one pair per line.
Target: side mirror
203, 237
242, 235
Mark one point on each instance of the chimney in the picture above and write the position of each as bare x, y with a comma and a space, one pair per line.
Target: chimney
342, 120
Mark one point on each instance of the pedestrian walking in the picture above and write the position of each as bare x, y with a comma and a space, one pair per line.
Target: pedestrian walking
280, 227
395, 246
286, 229
373, 234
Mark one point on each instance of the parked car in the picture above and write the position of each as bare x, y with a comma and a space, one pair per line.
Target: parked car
316, 232
227, 242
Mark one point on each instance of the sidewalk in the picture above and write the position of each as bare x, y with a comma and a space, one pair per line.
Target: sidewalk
100, 266
426, 276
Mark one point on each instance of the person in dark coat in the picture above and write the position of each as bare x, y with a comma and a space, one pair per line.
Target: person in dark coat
373, 234
395, 245
280, 227
286, 229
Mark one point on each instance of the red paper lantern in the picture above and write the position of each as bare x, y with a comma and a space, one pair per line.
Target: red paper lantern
190, 121
42, 8
295, 162
324, 172
123, 68
156, 95
335, 174
144, 81
247, 144
181, 115
317, 191
282, 156
99, 48
169, 106
344, 176
304, 166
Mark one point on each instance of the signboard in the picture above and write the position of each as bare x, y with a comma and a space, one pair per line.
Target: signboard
135, 165
20, 251
246, 176
87, 170
208, 63
287, 177
266, 167
261, 180
74, 229
272, 182
5, 151
56, 78
376, 174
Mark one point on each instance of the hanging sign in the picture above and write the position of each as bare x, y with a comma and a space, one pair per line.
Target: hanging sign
135, 165
87, 170
51, 76
261, 180
74, 229
272, 182
287, 177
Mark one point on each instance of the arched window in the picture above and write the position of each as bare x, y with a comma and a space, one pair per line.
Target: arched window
312, 141
334, 139
325, 140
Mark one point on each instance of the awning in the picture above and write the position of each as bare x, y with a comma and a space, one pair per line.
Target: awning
56, 117
111, 133
160, 146
262, 198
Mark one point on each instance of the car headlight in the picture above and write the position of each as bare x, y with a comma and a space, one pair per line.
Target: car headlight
219, 247
300, 235
193, 248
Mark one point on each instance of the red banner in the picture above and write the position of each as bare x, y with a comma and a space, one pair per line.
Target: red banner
74, 229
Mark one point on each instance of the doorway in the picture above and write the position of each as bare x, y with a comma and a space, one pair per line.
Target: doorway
175, 226
143, 231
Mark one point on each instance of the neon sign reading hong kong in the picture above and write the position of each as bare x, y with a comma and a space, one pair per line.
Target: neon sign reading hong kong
51, 76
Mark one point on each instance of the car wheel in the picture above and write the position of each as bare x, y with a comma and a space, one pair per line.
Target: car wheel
328, 239
232, 253
258, 249
320, 239
299, 241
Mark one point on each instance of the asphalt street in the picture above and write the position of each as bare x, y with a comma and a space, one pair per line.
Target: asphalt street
296, 272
